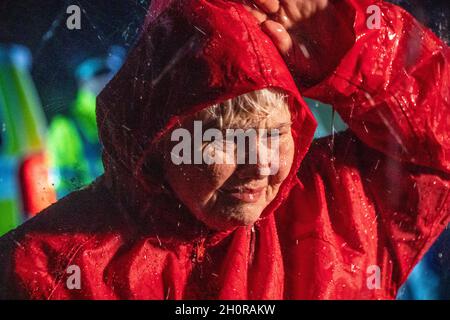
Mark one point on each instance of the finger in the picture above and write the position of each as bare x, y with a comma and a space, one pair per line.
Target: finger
292, 10
269, 6
256, 12
283, 18
322, 4
307, 9
279, 36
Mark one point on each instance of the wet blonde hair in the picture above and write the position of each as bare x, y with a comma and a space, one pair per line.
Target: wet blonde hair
245, 110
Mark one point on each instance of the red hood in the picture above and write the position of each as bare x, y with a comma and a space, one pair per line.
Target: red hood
190, 55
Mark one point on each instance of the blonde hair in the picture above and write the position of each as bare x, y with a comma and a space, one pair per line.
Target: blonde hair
245, 110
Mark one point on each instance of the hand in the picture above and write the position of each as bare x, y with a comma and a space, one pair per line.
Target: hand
283, 20
306, 34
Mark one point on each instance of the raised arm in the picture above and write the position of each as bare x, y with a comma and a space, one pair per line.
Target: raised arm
389, 78
390, 83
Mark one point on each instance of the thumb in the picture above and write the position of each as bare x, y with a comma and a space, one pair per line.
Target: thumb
279, 36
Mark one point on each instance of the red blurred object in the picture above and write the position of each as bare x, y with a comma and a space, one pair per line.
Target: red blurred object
37, 192
374, 196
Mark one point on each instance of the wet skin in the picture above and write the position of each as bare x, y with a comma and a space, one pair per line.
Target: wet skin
227, 195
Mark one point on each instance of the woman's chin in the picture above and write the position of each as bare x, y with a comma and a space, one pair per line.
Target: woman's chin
234, 220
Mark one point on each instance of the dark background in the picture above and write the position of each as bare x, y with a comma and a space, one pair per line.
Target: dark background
56, 50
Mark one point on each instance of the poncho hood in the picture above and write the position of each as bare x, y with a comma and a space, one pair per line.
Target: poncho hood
190, 55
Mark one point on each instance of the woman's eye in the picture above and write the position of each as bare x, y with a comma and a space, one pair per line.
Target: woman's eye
273, 134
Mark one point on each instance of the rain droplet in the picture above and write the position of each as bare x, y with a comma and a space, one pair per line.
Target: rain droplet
304, 51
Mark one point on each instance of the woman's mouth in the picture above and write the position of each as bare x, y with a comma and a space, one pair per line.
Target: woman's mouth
245, 194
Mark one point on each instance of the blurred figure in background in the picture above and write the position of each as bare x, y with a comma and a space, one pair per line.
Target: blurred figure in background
24, 183
75, 151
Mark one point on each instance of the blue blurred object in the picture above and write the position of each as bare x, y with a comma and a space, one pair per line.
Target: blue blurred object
16, 55
430, 279
328, 121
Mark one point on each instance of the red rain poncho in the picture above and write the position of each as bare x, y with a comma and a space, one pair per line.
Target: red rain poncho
375, 195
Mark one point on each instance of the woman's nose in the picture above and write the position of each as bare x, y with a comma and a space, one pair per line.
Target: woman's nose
253, 171
258, 165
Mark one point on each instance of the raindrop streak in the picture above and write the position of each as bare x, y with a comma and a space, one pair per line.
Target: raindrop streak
51, 31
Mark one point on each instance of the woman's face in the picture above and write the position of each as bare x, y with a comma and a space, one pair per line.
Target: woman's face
226, 195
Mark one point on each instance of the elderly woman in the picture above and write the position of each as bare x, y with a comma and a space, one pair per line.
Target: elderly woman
345, 217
